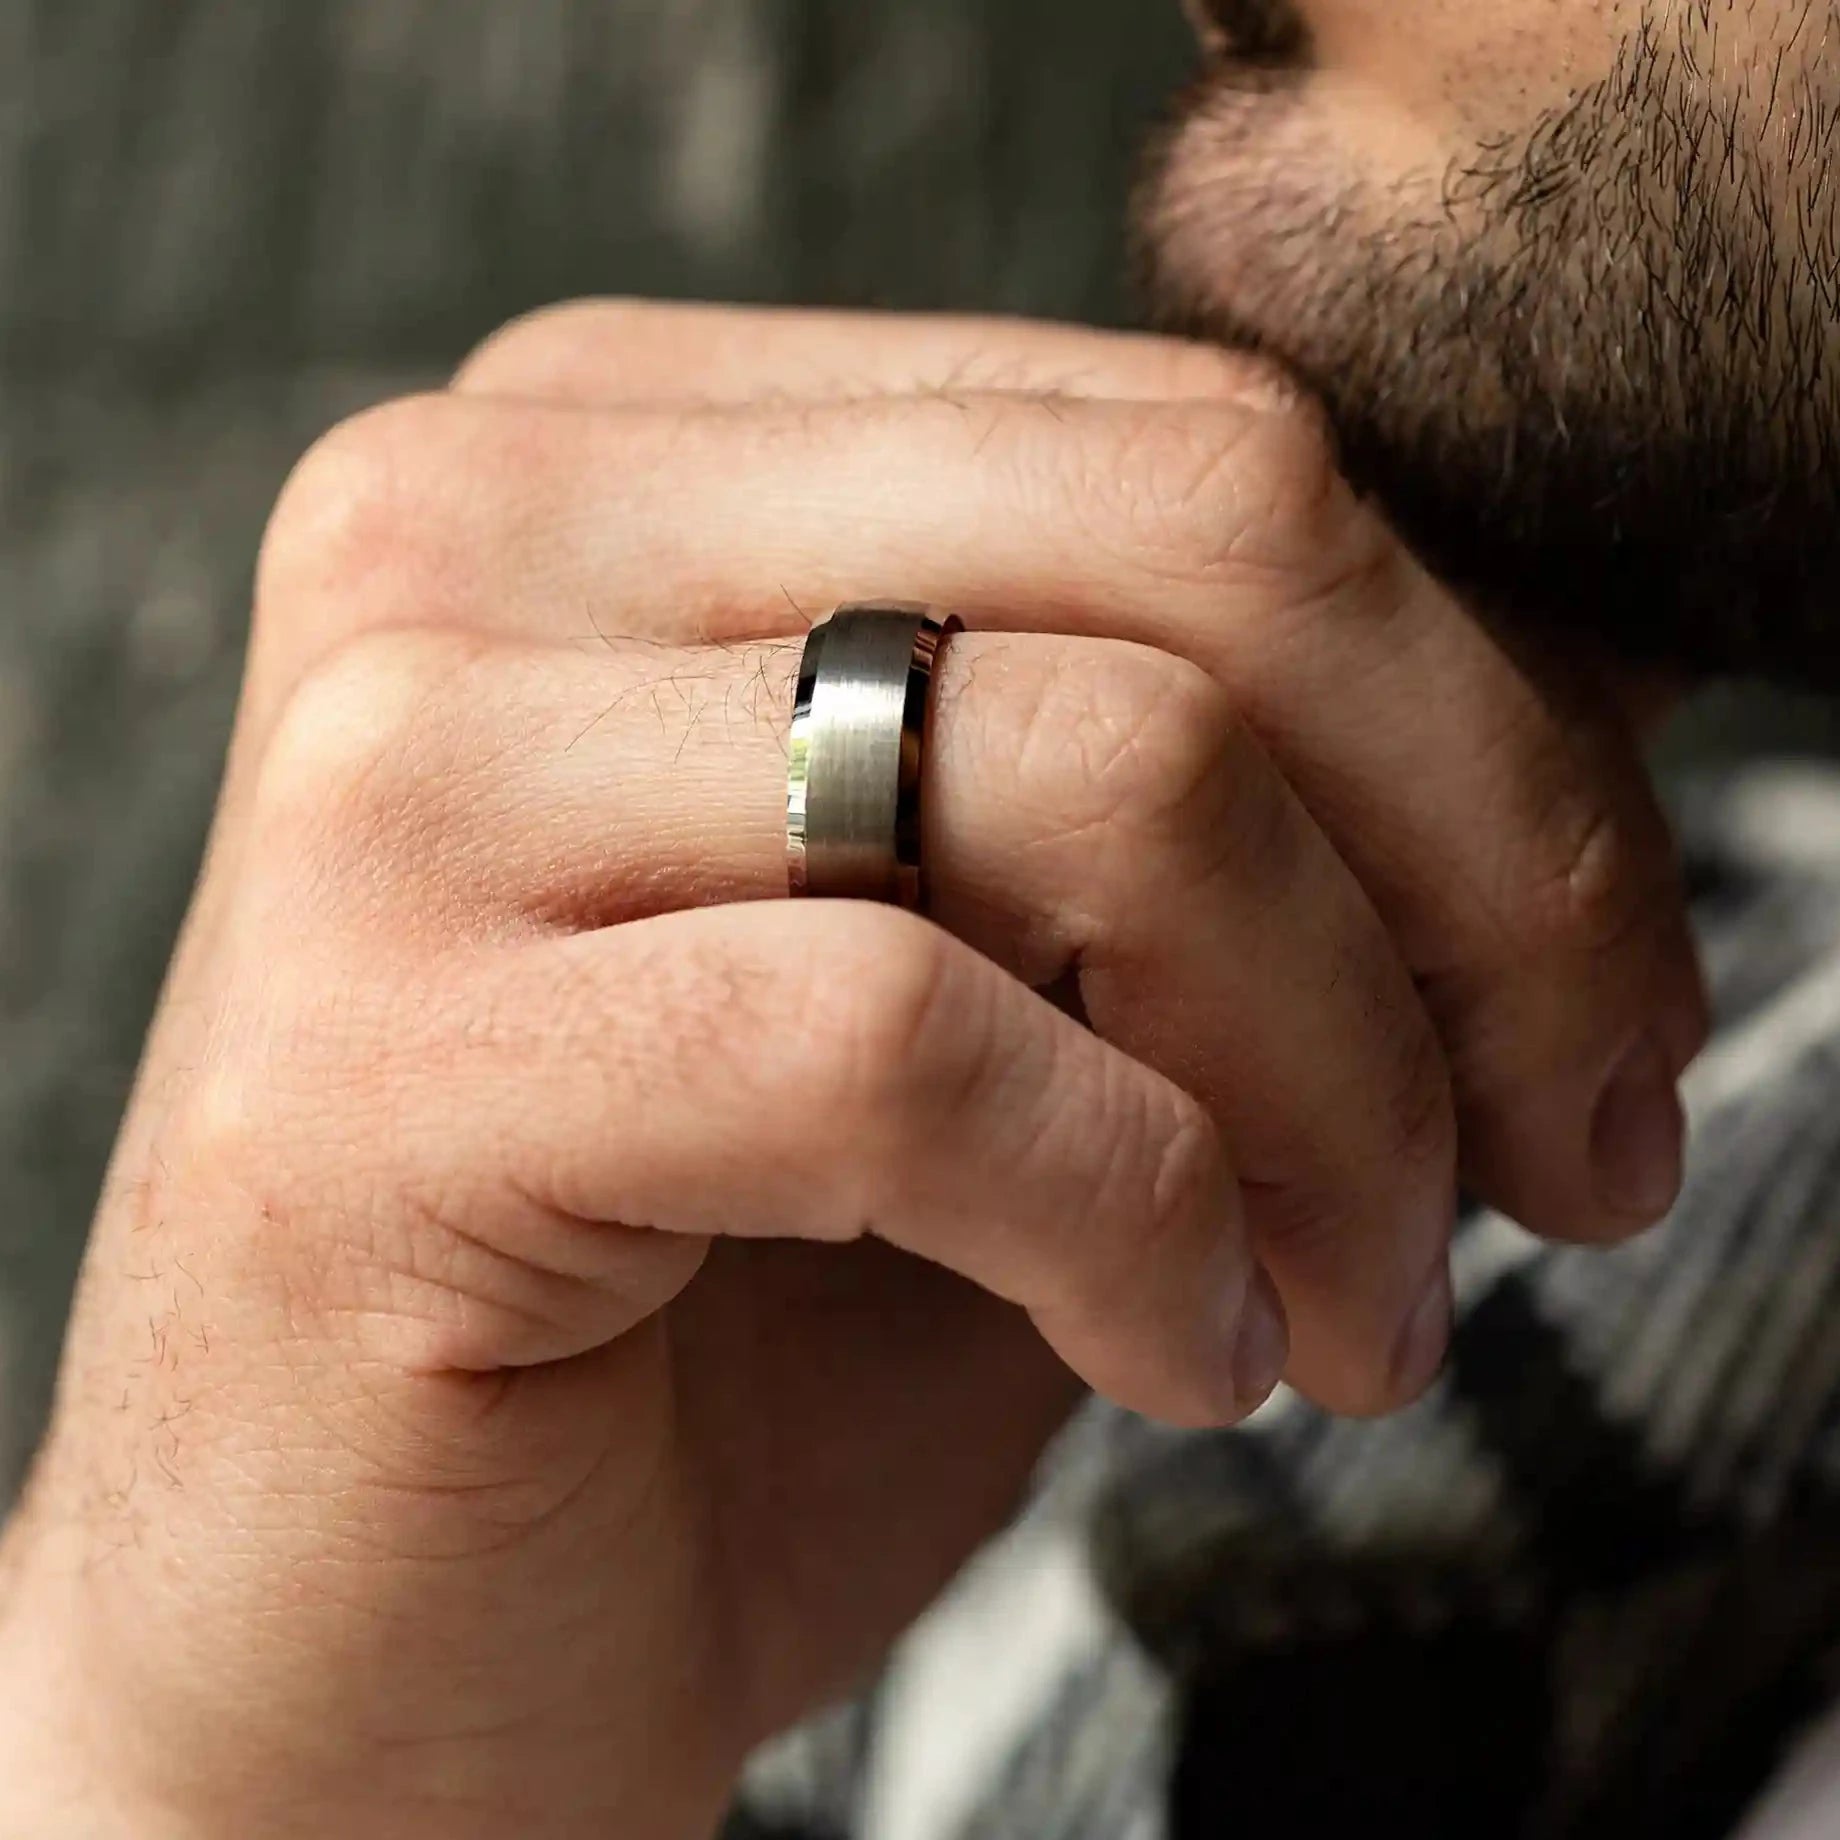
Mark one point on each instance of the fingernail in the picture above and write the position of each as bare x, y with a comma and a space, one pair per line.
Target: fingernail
1425, 1342
1639, 1138
1264, 1346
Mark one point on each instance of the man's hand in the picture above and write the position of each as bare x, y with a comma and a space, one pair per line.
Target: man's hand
556, 1311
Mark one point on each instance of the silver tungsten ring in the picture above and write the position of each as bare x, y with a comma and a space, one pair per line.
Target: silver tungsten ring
858, 746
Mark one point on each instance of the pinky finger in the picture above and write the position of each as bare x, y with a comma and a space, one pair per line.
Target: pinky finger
829, 1072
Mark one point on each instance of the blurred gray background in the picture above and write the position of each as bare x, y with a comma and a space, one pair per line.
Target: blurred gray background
226, 223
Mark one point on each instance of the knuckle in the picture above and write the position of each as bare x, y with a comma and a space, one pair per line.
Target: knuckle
1584, 887
346, 518
241, 1131
220, 1123
543, 345
359, 744
1179, 777
1152, 726
891, 1025
301, 1050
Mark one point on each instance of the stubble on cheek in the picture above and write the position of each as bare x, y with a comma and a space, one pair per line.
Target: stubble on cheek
1585, 366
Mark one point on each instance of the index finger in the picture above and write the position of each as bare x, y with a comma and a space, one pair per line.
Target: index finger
613, 353
1499, 814
1510, 842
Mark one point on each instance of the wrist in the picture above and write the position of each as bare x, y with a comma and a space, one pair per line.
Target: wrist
51, 1782
88, 1754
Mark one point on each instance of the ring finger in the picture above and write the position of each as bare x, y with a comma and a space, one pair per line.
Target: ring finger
1514, 849
1069, 780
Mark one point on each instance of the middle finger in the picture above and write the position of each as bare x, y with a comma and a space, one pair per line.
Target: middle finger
1515, 851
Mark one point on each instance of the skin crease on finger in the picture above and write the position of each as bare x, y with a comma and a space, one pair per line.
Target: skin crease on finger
1565, 274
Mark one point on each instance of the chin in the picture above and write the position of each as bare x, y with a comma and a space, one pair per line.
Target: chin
1484, 342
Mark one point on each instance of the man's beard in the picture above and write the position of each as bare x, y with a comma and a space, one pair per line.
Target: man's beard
1592, 374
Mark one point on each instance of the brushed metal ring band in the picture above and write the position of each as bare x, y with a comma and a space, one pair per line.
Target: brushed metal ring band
857, 750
